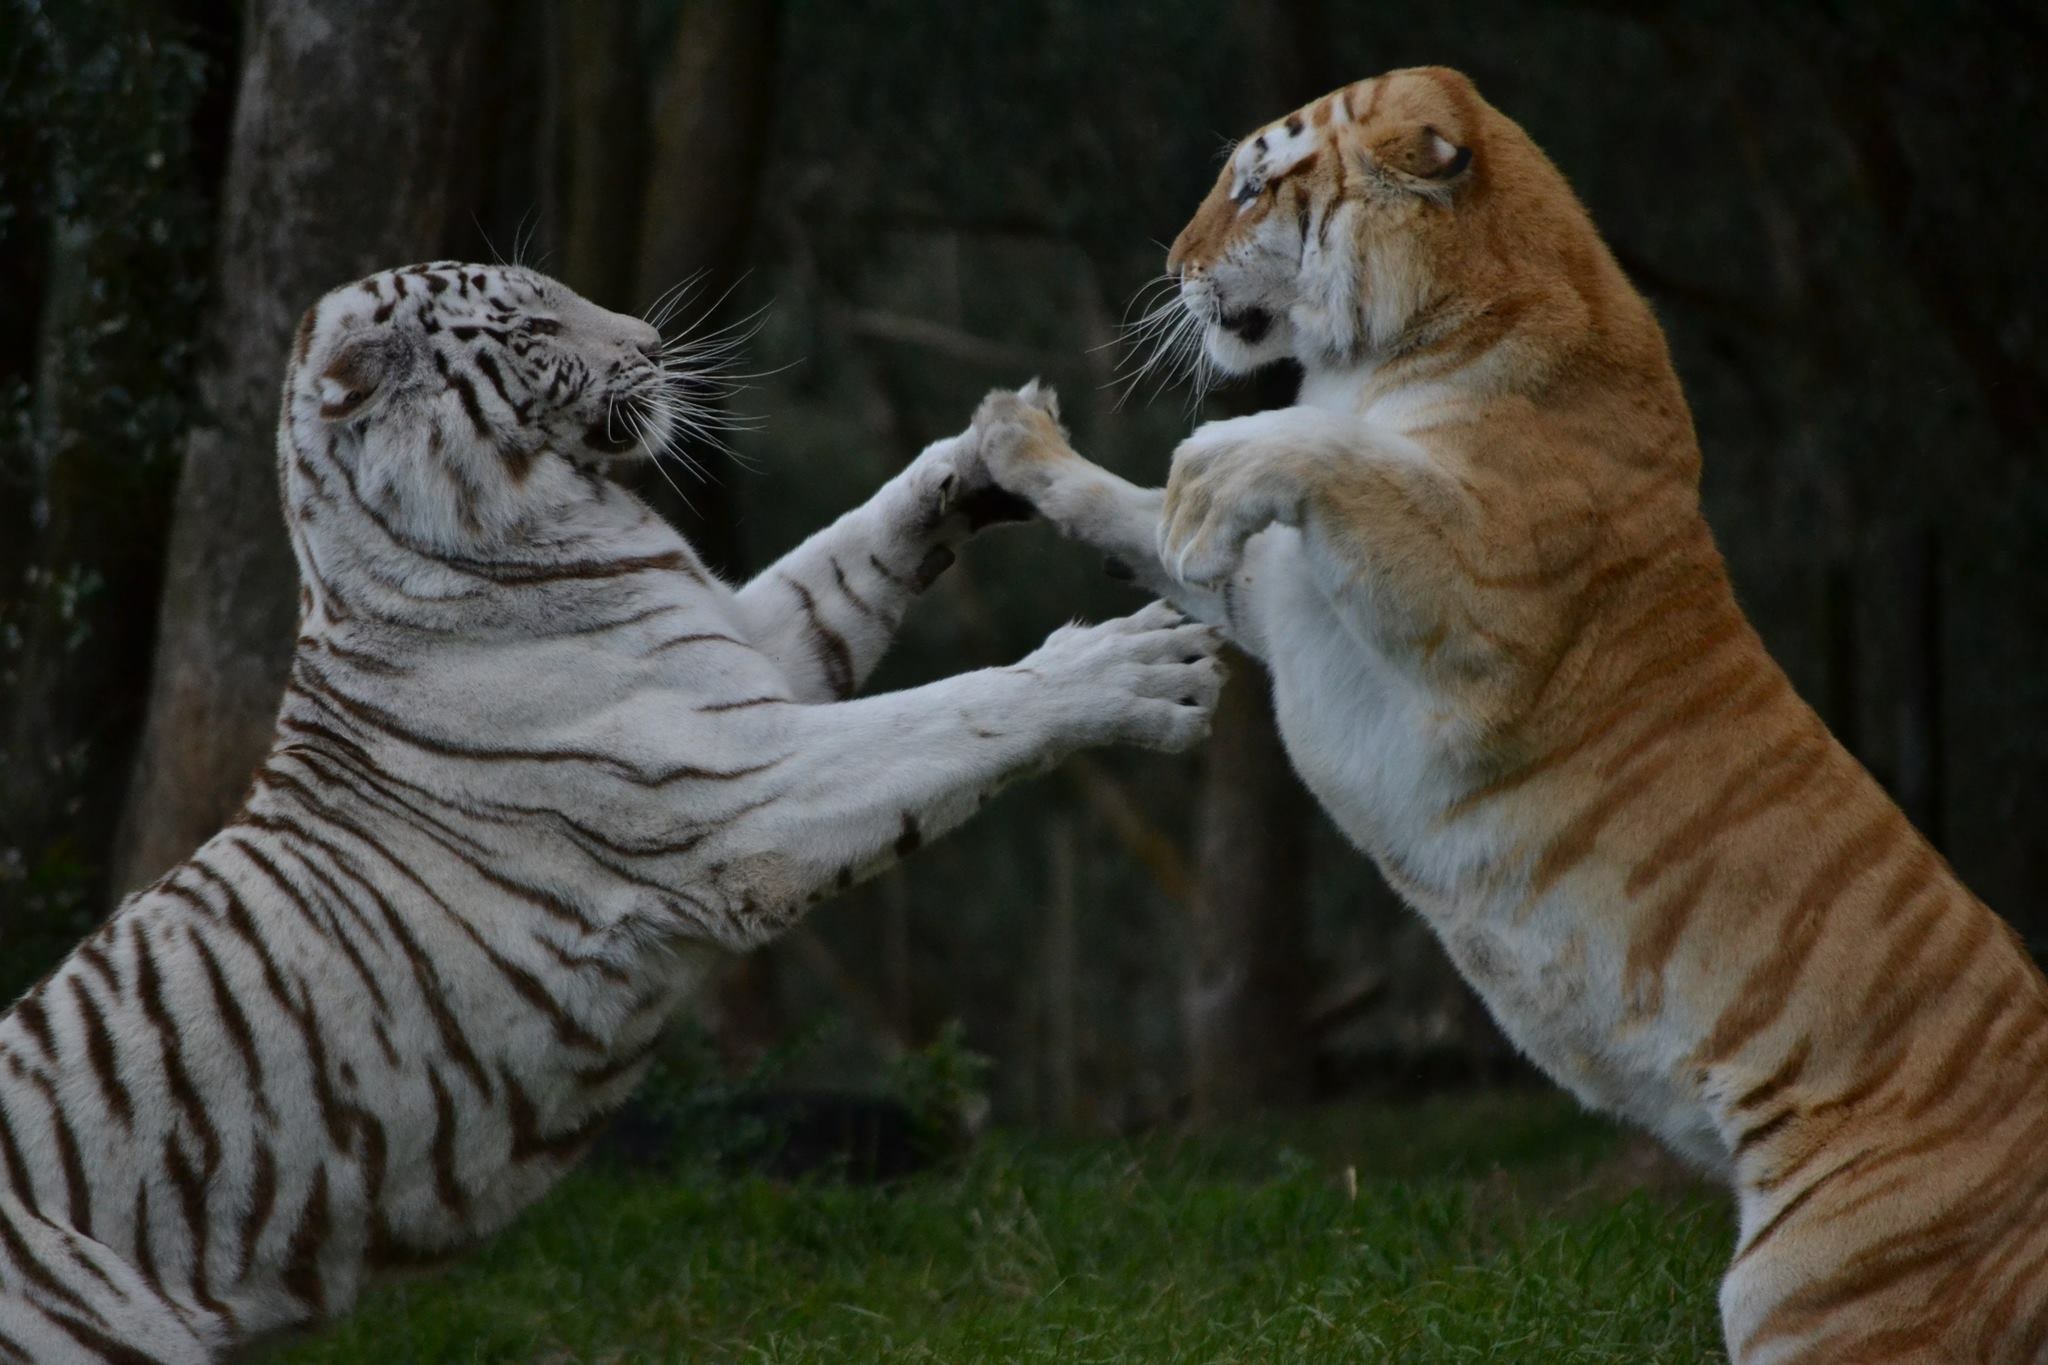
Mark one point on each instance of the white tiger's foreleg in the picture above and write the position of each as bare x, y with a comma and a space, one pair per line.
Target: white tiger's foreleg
827, 610
870, 780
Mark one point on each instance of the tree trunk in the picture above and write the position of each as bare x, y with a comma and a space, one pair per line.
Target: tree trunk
706, 148
604, 135
1920, 746
1245, 1003
1062, 981
1245, 1000
353, 149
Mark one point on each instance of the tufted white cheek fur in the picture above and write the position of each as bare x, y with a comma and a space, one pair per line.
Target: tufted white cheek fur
1324, 314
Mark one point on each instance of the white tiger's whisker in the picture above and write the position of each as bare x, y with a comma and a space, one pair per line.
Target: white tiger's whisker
673, 298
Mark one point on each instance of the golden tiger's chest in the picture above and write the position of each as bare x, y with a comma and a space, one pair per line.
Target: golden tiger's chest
1370, 742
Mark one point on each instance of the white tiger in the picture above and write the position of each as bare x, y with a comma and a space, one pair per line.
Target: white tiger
534, 765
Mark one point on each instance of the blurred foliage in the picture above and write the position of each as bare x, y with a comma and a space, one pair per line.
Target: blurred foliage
943, 1085
694, 1114
697, 1117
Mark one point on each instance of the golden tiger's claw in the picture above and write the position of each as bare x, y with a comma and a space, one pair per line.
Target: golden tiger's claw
1018, 438
1043, 397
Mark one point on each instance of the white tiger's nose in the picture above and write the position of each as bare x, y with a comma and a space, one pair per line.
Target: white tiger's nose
628, 333
598, 326
642, 337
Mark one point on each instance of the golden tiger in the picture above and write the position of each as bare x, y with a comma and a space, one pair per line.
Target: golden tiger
1506, 655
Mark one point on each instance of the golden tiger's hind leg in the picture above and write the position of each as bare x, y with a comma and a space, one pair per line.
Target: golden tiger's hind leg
1915, 1289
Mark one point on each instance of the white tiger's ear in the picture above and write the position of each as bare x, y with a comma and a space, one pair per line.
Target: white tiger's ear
360, 369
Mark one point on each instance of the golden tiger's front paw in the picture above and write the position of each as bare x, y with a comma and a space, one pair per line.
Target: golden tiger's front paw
1020, 440
1226, 487
952, 484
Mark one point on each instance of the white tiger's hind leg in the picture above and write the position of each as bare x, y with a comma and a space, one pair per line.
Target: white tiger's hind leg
827, 610
872, 779
67, 1300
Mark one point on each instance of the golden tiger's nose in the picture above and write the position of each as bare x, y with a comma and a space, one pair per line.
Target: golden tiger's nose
1200, 241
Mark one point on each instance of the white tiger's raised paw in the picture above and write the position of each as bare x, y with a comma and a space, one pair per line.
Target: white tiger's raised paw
952, 494
1019, 440
935, 476
1151, 678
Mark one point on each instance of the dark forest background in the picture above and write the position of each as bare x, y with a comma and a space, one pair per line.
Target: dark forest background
1836, 210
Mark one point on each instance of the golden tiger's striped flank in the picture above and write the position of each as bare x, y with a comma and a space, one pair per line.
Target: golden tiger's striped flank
1506, 655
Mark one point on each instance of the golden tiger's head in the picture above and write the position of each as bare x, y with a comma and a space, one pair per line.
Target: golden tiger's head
1380, 217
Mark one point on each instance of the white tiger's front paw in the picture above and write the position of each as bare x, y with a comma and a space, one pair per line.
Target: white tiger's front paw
1151, 678
951, 487
935, 479
1227, 485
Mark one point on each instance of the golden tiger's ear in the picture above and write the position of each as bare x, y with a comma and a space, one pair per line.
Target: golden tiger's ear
360, 369
1449, 158
1424, 153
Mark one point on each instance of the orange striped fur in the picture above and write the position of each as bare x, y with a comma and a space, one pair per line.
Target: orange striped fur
1507, 656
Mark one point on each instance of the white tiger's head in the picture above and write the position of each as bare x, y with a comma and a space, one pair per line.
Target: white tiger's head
456, 397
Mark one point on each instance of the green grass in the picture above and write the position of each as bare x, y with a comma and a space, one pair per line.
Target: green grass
1498, 1227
